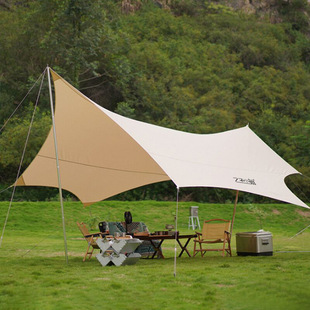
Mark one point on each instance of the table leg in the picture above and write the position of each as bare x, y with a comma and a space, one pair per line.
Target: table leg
157, 249
184, 247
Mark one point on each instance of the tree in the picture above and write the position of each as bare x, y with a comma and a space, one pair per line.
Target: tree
13, 139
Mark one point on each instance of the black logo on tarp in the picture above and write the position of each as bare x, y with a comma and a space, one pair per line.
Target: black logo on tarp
245, 181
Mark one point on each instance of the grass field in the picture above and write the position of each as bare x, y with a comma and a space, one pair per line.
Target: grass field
34, 275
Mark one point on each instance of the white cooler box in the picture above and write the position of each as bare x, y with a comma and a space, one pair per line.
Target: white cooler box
257, 243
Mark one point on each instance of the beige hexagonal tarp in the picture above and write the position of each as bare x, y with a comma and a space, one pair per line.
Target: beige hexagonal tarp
102, 154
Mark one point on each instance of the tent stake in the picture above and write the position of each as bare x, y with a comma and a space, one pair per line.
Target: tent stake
57, 164
234, 214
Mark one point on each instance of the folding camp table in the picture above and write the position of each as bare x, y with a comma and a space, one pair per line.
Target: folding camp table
162, 238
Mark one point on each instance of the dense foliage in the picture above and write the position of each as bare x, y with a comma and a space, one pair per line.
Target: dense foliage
191, 65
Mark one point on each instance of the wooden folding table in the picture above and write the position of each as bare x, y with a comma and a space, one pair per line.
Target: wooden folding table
162, 238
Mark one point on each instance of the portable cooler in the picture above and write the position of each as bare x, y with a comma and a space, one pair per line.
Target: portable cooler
257, 243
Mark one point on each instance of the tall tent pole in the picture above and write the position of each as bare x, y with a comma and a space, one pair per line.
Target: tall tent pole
234, 214
57, 164
176, 232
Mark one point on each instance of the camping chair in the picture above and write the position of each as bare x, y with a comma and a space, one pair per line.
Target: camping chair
213, 231
90, 238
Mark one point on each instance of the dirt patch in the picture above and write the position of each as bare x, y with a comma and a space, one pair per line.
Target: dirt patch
276, 212
303, 213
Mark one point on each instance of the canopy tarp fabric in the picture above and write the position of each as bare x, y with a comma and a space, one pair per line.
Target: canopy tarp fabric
102, 154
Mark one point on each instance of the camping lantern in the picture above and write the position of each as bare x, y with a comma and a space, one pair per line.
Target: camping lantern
103, 227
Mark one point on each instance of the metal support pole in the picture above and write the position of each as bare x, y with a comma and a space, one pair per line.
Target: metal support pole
234, 214
176, 231
57, 164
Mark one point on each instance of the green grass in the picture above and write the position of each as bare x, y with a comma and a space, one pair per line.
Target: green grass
34, 275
